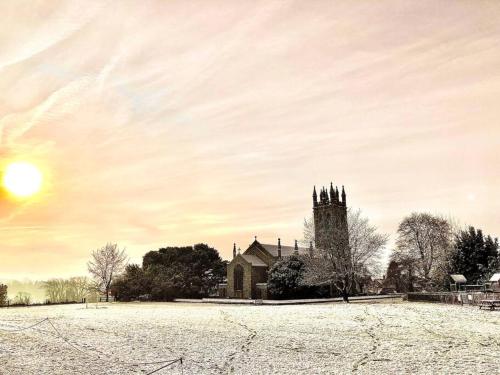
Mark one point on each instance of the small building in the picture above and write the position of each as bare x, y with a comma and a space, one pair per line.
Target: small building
457, 282
495, 282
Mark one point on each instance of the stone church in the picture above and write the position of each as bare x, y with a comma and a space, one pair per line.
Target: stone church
247, 272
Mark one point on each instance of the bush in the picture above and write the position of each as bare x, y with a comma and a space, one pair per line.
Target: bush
285, 278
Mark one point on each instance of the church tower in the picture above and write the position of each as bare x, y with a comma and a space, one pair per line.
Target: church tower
330, 218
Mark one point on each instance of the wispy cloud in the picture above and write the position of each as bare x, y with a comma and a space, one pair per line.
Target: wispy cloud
178, 122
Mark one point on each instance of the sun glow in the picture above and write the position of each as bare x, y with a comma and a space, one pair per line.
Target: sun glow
22, 179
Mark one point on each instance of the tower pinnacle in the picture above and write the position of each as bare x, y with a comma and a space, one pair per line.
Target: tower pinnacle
332, 193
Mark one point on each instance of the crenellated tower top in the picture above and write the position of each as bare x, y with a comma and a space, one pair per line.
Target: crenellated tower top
330, 217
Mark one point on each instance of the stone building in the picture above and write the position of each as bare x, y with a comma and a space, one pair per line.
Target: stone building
330, 219
247, 272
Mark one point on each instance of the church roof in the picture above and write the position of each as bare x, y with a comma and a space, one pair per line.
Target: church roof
285, 250
255, 261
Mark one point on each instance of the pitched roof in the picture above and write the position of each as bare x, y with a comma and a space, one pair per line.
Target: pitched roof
459, 278
495, 277
255, 261
285, 250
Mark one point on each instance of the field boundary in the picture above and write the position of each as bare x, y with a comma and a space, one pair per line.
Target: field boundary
228, 301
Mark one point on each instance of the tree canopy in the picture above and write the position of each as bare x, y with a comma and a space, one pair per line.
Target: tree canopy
424, 241
475, 256
173, 272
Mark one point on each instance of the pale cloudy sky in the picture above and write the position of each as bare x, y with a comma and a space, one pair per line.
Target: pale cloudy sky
175, 122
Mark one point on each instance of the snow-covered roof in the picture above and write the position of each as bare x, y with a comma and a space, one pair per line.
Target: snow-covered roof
459, 278
285, 250
495, 277
255, 261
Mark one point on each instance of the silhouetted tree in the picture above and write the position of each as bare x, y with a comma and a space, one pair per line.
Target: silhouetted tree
3, 295
476, 257
183, 271
132, 284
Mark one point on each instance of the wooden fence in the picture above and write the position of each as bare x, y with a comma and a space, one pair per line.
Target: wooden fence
454, 298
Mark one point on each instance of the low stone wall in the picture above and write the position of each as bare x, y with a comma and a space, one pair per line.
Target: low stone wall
298, 301
454, 298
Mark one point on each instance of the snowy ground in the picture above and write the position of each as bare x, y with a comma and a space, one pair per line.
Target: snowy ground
361, 338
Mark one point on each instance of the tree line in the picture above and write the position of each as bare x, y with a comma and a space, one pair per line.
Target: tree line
428, 249
74, 289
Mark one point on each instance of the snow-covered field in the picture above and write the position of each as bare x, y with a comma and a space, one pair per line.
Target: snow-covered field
362, 338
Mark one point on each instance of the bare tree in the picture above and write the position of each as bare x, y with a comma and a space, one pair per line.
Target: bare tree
55, 290
74, 289
425, 241
106, 263
344, 264
308, 232
330, 266
80, 287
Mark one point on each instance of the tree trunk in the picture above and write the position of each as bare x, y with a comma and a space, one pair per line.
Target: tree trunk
107, 295
345, 295
410, 279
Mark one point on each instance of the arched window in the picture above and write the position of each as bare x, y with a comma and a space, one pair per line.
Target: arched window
238, 277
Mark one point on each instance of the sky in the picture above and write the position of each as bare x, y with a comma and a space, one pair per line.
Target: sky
162, 123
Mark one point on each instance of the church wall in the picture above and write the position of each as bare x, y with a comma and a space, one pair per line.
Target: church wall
259, 275
247, 278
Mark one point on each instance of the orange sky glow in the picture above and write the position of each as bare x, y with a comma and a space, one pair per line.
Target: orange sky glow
162, 123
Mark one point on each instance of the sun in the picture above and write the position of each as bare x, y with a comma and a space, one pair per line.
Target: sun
22, 179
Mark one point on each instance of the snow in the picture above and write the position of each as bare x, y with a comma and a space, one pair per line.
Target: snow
361, 338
